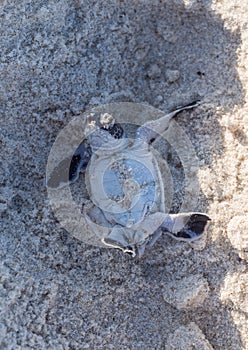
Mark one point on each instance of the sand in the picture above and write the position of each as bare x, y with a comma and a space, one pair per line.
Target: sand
60, 59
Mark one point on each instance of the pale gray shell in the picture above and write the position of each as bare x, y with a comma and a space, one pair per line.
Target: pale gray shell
131, 185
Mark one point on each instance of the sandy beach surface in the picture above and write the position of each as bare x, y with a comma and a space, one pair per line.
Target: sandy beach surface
61, 58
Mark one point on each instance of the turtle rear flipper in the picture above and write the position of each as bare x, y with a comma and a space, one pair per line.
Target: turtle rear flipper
187, 227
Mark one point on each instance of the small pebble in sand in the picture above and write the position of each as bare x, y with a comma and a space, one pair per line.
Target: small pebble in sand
188, 338
172, 75
159, 98
235, 289
154, 71
237, 231
189, 292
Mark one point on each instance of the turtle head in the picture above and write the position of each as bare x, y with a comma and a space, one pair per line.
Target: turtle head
101, 130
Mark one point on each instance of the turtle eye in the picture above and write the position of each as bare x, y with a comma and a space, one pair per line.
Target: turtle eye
116, 131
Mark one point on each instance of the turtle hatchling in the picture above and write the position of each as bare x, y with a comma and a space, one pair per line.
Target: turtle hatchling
125, 185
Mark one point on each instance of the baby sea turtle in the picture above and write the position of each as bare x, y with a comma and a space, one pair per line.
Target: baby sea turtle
125, 185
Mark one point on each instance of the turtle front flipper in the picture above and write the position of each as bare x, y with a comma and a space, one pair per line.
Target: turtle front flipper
186, 227
79, 161
67, 171
152, 129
